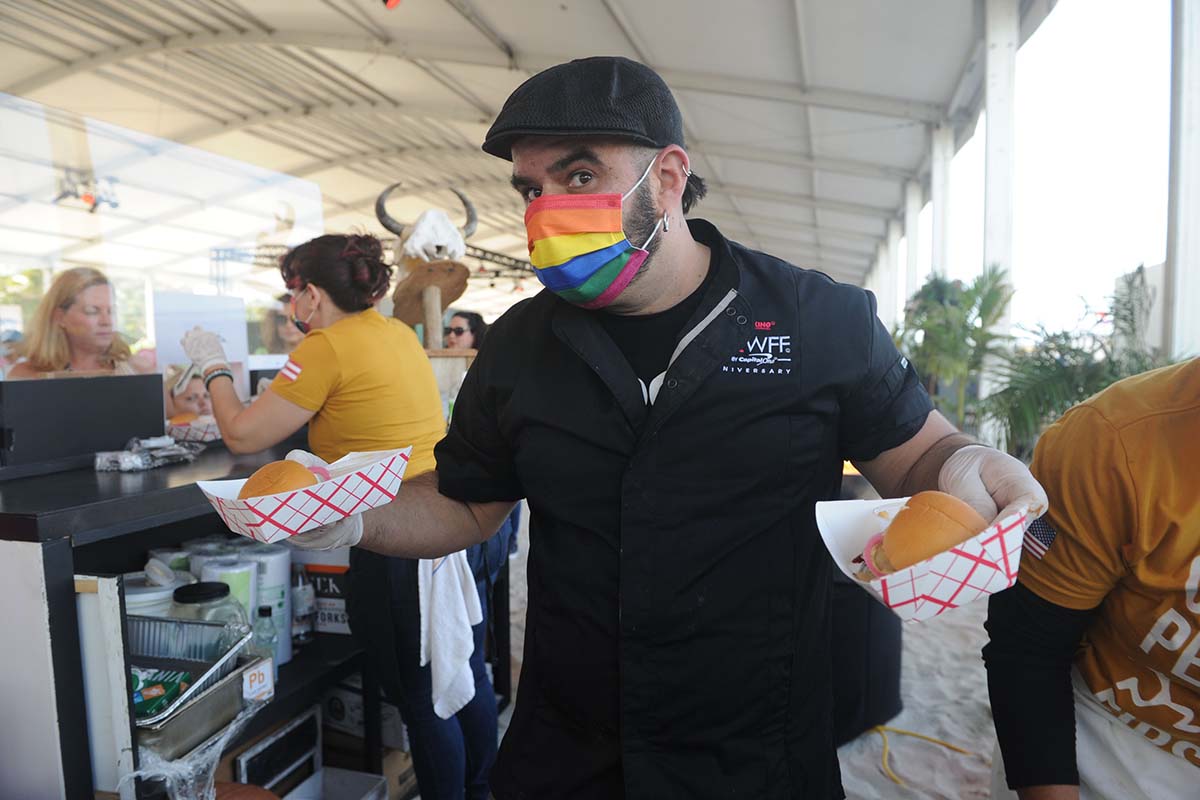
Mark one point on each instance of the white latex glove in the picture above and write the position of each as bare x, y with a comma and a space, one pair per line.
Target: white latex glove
993, 483
343, 533
204, 349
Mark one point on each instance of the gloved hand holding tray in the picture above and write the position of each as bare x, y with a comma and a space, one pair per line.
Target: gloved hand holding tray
982, 565
350, 485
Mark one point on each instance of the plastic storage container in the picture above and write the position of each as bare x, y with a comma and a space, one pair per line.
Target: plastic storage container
210, 602
344, 784
148, 599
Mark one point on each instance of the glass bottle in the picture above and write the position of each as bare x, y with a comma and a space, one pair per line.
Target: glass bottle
265, 637
304, 606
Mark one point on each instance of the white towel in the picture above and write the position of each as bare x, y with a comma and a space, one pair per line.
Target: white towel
449, 607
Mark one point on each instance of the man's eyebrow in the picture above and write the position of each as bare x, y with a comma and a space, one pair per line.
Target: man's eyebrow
578, 154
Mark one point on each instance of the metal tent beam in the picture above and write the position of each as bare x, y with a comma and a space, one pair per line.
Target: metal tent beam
782, 224
327, 110
320, 165
900, 108
779, 158
808, 201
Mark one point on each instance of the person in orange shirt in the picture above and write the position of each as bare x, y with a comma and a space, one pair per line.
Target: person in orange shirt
1094, 658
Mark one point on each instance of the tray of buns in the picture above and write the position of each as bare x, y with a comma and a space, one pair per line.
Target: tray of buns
287, 497
188, 427
942, 559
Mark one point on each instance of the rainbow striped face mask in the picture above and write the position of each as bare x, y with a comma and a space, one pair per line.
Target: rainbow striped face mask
578, 248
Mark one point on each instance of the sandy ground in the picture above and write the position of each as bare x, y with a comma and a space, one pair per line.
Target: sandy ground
944, 688
945, 696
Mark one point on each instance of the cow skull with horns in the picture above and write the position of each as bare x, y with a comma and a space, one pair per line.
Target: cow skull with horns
433, 237
432, 276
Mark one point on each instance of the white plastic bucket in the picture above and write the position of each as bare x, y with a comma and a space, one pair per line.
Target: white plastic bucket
146, 599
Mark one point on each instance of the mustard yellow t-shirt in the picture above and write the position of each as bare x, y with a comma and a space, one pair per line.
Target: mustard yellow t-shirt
1122, 472
371, 386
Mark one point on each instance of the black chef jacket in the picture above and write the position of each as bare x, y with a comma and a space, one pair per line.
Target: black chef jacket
677, 642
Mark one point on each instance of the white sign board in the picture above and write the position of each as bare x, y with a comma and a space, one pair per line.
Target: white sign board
175, 313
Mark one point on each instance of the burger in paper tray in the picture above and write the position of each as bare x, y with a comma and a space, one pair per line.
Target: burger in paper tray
303, 492
189, 427
924, 554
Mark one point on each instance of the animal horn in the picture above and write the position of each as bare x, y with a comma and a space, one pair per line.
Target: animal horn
386, 219
472, 218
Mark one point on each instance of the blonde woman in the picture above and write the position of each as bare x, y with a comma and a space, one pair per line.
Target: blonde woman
73, 330
279, 334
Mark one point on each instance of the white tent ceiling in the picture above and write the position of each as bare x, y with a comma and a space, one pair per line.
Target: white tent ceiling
805, 116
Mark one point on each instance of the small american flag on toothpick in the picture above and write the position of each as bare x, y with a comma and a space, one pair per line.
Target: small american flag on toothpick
1038, 538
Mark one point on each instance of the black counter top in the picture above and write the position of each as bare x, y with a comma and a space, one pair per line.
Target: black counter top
89, 506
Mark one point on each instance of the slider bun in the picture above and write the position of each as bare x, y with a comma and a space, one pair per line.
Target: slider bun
930, 523
183, 418
276, 477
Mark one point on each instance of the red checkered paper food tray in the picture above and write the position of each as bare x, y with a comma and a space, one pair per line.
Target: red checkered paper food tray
978, 567
357, 482
202, 429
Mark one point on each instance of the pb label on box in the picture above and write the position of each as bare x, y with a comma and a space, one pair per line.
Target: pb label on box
258, 683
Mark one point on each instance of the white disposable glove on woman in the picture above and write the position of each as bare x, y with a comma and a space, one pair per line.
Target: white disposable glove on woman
993, 483
204, 349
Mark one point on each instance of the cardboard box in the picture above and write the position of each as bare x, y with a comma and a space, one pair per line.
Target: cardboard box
978, 567
328, 570
352, 484
342, 710
343, 750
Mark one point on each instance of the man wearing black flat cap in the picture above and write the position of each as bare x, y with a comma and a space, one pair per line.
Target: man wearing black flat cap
672, 408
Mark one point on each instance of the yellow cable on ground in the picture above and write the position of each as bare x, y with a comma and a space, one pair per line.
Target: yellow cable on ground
887, 768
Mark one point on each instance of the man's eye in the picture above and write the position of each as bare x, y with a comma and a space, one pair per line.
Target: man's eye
579, 179
531, 194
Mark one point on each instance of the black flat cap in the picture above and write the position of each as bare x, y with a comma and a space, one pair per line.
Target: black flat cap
599, 96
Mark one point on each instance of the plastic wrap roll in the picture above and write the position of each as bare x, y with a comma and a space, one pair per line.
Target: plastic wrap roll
203, 541
204, 552
240, 576
274, 589
174, 557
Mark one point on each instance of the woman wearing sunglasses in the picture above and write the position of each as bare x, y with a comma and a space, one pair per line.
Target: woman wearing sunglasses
466, 331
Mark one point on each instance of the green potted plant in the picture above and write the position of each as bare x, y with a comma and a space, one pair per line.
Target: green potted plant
1058, 369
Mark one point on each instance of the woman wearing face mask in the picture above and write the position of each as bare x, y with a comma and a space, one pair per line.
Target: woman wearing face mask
363, 382
73, 330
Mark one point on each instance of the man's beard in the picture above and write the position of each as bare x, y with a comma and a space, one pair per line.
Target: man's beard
639, 223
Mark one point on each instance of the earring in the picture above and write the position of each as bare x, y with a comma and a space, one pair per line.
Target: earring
666, 221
